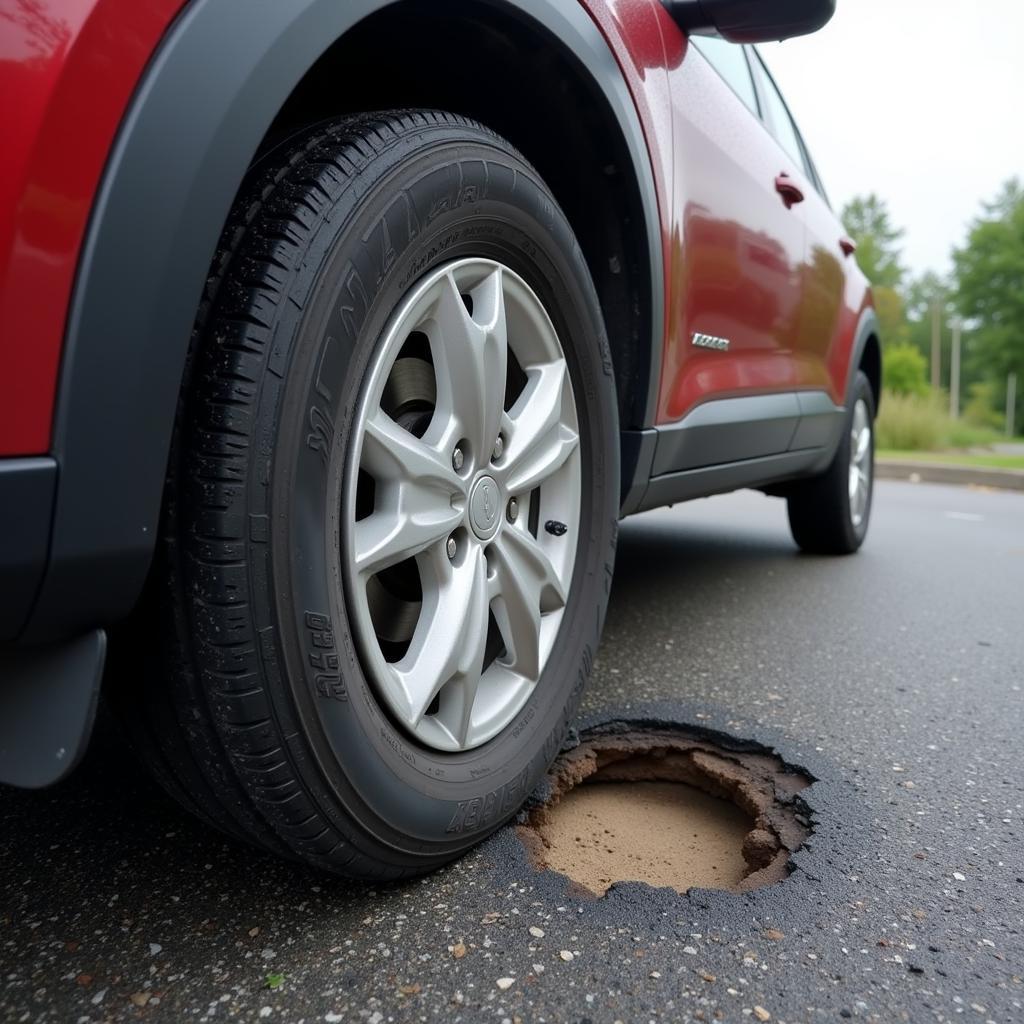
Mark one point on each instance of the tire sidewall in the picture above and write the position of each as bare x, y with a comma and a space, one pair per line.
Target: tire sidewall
434, 204
861, 391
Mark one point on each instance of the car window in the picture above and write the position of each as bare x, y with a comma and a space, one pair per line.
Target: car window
819, 184
730, 62
779, 122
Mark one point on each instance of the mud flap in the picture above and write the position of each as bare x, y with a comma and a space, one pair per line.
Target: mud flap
48, 699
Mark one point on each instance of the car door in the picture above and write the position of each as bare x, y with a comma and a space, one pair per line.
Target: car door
819, 320
737, 250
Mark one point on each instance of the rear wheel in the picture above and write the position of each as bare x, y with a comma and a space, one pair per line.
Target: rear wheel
829, 514
392, 505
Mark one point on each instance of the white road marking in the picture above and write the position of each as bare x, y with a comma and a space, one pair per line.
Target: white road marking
969, 517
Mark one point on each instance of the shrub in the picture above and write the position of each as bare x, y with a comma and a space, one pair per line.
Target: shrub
904, 370
910, 422
980, 408
922, 423
962, 434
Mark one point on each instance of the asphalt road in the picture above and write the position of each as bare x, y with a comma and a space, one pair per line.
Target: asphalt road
895, 677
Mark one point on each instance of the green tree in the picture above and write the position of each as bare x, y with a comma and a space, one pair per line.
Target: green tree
989, 275
892, 320
926, 291
983, 398
866, 219
903, 370
923, 295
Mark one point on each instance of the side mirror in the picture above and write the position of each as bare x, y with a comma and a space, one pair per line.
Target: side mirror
750, 21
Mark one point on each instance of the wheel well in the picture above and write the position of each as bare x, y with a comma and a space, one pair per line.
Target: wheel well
515, 77
871, 364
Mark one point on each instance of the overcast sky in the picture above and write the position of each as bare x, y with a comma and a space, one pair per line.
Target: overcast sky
921, 101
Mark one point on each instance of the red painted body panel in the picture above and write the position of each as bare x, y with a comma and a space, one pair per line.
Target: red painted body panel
634, 31
736, 249
835, 294
67, 72
737, 263
743, 265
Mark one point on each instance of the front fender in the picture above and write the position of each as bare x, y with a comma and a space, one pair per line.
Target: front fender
198, 117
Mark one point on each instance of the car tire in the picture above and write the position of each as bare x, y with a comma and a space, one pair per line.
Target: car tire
281, 703
829, 514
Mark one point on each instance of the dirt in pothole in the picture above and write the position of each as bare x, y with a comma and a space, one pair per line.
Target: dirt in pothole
669, 809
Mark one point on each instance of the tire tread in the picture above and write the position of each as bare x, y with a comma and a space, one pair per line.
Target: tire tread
819, 511
211, 730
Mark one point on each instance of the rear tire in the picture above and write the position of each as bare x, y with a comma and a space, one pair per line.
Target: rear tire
267, 709
829, 514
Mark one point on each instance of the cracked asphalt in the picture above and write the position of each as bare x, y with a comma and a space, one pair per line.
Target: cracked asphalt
893, 677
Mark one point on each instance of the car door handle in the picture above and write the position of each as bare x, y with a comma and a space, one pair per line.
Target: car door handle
787, 188
848, 245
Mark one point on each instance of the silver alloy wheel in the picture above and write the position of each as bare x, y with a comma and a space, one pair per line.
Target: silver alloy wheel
860, 462
465, 467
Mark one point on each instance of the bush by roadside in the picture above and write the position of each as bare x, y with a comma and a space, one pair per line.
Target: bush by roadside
905, 370
920, 422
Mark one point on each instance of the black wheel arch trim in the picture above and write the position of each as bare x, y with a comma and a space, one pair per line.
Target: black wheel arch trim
867, 329
27, 486
209, 96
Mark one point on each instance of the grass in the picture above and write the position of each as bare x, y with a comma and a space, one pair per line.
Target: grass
921, 423
910, 422
986, 460
919, 428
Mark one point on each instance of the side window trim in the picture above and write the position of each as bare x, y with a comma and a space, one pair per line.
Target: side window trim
757, 72
815, 177
758, 100
762, 82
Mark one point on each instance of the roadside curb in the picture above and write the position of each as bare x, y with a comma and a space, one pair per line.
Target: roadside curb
948, 473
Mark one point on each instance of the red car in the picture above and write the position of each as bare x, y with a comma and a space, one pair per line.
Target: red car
338, 335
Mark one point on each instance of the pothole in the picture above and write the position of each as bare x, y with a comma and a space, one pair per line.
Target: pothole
669, 809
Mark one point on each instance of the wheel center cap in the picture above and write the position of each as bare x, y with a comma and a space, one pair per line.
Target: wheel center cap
485, 507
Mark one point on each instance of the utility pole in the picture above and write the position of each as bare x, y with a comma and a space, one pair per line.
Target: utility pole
954, 371
936, 347
1011, 402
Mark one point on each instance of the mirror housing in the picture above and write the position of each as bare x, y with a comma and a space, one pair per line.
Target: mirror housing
750, 21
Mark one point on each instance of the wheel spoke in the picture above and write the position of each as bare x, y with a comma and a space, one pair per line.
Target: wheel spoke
448, 644
527, 585
539, 442
392, 454
860, 496
457, 703
863, 442
860, 462
470, 359
386, 538
413, 506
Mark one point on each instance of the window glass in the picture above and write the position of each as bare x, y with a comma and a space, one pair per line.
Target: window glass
730, 62
781, 123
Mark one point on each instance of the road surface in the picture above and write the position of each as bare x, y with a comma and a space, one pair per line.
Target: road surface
894, 676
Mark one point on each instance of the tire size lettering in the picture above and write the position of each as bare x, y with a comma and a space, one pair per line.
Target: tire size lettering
399, 748
323, 658
481, 811
321, 433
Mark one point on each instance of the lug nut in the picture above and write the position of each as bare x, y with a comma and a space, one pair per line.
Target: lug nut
499, 447
457, 459
452, 547
513, 510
